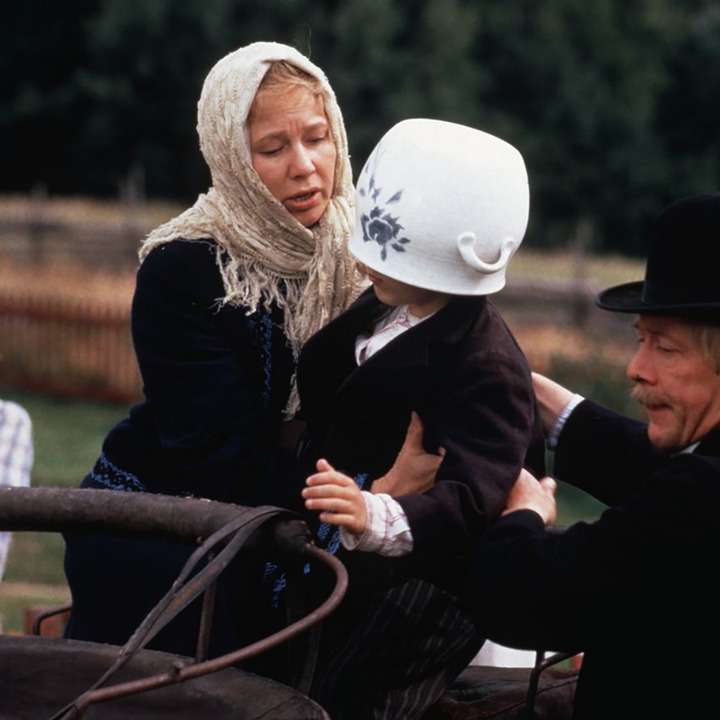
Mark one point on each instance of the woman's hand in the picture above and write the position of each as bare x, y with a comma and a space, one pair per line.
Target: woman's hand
337, 497
414, 469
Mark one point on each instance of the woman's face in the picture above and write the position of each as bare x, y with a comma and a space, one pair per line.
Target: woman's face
293, 151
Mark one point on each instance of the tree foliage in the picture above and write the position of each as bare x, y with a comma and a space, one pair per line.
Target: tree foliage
613, 104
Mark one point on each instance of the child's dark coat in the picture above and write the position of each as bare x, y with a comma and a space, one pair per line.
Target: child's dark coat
463, 372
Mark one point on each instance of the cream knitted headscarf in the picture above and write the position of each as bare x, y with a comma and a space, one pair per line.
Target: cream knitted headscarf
264, 254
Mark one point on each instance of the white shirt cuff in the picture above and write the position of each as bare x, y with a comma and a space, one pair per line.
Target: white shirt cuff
387, 531
554, 436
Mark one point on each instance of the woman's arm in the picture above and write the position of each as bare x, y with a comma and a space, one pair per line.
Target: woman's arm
202, 370
604, 453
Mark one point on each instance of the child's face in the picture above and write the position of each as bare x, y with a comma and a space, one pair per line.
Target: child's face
420, 302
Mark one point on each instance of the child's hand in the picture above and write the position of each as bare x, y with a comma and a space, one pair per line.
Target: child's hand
337, 497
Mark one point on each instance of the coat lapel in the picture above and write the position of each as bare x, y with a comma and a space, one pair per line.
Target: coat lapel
406, 358
329, 356
328, 371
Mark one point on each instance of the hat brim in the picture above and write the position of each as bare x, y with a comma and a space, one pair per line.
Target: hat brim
627, 298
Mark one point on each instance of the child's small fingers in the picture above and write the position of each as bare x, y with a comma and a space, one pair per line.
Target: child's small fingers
329, 504
323, 465
327, 490
329, 477
338, 519
318, 479
324, 478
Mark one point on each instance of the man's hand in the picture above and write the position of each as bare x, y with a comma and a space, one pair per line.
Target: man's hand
337, 497
414, 469
529, 494
552, 399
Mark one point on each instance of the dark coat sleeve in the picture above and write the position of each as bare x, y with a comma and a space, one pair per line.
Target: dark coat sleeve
604, 453
202, 371
484, 420
570, 590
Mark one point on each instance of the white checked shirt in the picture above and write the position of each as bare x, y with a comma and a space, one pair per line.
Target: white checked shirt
16, 457
387, 532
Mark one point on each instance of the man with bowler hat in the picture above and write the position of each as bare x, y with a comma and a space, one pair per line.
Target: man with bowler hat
639, 589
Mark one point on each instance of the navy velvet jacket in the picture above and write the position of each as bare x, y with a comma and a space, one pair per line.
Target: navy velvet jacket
215, 384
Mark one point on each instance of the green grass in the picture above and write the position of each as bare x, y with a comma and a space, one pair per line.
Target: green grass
17, 598
67, 435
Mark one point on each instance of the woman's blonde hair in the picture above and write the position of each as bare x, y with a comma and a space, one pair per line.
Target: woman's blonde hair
283, 74
282, 77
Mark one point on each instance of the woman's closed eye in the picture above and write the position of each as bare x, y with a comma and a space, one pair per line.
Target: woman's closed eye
270, 151
316, 139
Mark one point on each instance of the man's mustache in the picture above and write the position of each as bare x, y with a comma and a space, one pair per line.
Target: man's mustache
647, 396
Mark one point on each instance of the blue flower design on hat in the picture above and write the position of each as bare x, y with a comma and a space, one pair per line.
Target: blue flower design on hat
379, 225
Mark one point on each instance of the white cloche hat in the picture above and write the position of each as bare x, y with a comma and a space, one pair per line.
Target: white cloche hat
442, 207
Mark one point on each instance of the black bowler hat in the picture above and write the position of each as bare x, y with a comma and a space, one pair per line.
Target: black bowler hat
682, 276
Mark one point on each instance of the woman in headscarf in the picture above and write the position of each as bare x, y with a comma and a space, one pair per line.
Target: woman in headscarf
227, 293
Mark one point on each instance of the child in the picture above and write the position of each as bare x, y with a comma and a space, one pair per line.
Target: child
441, 209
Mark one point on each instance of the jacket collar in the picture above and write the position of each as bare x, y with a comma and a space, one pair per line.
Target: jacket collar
710, 444
327, 363
448, 325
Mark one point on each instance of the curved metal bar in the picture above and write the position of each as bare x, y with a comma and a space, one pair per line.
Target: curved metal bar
189, 520
180, 673
185, 589
43, 616
542, 663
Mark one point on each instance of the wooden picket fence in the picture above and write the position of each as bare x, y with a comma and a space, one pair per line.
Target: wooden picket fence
67, 346
71, 344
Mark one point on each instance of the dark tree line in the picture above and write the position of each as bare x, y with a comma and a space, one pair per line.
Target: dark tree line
614, 104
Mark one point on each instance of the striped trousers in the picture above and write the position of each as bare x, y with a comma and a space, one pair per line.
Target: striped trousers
392, 655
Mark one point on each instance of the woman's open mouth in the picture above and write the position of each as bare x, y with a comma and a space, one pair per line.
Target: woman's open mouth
303, 201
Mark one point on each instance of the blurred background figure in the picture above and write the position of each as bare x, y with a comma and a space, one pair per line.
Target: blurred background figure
16, 457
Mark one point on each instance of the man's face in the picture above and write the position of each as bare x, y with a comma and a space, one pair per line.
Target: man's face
675, 381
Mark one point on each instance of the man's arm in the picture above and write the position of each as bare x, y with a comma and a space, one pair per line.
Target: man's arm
604, 453
598, 450
552, 399
531, 588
